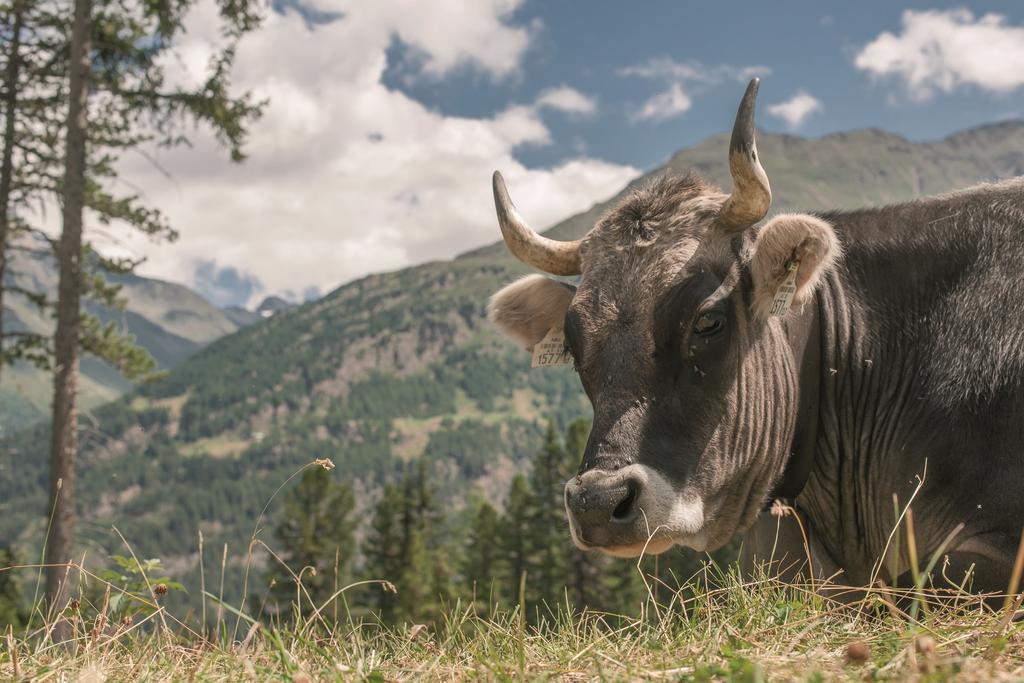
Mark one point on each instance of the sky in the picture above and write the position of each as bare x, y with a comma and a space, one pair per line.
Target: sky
386, 118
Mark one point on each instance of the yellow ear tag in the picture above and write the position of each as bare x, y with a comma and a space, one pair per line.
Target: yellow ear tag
786, 291
551, 350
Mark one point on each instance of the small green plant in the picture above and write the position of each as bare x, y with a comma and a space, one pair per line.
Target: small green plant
135, 587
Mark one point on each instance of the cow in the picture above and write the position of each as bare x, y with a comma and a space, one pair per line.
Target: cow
847, 362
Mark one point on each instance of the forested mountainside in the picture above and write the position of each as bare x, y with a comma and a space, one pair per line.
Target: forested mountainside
398, 367
169, 320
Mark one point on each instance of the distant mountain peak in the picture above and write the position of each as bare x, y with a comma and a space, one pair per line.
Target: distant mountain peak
273, 305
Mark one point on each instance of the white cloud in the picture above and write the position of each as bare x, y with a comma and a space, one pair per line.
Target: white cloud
683, 80
943, 50
567, 99
664, 105
666, 68
345, 175
448, 33
797, 108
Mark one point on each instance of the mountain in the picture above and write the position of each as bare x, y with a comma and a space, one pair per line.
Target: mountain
843, 170
399, 366
169, 320
242, 317
272, 305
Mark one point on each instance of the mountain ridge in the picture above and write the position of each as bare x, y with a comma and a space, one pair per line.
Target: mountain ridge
167, 318
708, 158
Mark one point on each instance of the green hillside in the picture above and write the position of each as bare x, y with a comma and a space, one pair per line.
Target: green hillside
395, 367
170, 320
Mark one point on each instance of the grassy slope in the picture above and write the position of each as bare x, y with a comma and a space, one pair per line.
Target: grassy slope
399, 365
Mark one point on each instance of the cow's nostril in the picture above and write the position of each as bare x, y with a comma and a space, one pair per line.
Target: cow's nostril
624, 510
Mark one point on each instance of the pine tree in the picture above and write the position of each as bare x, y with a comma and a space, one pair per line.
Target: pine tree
12, 610
384, 550
11, 82
427, 579
118, 99
64, 425
407, 546
34, 97
482, 566
316, 536
515, 543
548, 538
33, 89
416, 582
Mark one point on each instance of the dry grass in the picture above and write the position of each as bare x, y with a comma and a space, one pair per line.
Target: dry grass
717, 627
746, 631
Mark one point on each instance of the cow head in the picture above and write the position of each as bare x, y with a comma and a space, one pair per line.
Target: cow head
692, 380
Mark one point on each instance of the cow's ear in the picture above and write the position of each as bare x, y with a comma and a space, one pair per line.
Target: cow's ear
526, 309
786, 241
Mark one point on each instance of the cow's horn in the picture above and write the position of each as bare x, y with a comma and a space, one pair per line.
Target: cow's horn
751, 194
552, 256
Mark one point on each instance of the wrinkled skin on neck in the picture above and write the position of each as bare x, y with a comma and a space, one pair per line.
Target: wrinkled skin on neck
910, 390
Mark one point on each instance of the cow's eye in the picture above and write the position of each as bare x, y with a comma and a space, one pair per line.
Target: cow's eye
709, 323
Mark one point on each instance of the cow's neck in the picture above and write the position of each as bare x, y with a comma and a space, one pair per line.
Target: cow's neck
825, 349
804, 338
851, 415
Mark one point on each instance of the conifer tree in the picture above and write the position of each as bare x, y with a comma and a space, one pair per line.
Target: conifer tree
548, 540
516, 529
126, 103
482, 564
12, 76
428, 572
384, 550
407, 546
316, 537
33, 91
64, 425
12, 609
416, 582
118, 97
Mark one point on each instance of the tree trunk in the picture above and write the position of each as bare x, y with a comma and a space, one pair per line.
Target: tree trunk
64, 438
10, 89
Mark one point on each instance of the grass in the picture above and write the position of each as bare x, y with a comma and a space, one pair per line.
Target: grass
718, 626
740, 630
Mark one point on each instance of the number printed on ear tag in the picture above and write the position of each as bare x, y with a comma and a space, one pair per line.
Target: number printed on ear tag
551, 350
786, 291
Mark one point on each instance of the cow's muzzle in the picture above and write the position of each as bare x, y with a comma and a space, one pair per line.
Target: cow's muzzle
630, 511
604, 509
598, 501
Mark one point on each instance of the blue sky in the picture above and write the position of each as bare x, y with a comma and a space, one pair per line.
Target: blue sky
808, 46
386, 117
